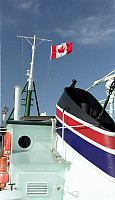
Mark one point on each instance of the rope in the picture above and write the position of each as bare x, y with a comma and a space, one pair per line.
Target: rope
46, 79
49, 61
49, 58
39, 43
22, 61
79, 126
28, 40
22, 51
45, 85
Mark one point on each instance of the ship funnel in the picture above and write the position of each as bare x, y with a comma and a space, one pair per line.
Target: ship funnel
17, 104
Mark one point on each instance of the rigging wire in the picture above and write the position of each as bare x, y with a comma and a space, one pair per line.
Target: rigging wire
39, 43
22, 62
45, 86
46, 79
22, 51
49, 62
50, 58
23, 71
28, 41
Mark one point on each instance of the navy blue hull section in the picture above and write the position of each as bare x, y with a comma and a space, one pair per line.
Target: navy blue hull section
100, 158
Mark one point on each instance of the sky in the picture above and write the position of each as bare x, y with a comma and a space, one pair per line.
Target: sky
89, 25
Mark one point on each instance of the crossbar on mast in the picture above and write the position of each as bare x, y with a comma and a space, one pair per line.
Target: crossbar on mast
30, 81
33, 38
30, 74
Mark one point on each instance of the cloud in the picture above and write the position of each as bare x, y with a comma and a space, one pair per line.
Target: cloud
8, 21
25, 5
28, 5
18, 8
90, 30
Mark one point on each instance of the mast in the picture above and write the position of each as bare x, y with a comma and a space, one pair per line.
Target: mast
30, 81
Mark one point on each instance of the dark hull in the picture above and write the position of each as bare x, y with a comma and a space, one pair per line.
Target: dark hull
94, 139
83, 105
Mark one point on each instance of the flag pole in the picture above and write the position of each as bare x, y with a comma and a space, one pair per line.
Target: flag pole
30, 81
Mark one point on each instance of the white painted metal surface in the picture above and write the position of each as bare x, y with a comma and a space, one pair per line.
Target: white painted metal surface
38, 170
30, 79
12, 195
84, 180
17, 104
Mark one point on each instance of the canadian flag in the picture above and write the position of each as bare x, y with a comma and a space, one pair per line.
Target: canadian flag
61, 50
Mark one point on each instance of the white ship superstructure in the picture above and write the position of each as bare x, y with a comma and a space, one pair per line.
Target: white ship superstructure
30, 166
64, 157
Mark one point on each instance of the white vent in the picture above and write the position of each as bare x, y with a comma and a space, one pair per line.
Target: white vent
37, 189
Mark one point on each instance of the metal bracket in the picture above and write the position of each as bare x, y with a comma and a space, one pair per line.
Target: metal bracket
74, 193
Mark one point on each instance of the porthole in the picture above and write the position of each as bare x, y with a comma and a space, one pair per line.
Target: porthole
24, 141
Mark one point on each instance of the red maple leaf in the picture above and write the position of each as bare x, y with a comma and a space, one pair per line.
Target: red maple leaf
61, 50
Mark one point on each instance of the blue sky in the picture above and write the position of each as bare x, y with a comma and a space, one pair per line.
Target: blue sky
90, 25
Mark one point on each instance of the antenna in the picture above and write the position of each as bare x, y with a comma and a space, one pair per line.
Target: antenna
30, 82
30, 72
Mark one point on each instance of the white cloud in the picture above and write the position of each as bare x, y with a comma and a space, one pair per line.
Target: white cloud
28, 5
8, 20
25, 5
18, 8
90, 30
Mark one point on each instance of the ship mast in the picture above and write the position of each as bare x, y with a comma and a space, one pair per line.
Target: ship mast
30, 81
